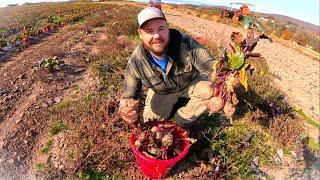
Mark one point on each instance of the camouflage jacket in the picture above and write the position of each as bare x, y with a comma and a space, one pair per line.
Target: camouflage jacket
187, 60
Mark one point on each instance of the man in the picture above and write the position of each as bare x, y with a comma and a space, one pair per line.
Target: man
172, 65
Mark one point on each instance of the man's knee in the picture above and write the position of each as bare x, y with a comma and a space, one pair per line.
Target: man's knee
158, 106
149, 115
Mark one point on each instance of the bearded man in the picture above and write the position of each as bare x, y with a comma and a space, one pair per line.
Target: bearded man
171, 65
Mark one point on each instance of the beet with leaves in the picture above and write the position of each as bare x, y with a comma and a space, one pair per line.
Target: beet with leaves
235, 66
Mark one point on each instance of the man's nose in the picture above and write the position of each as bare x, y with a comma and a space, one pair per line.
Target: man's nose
156, 35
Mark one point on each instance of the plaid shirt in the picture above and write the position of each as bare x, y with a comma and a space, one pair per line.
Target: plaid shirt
187, 60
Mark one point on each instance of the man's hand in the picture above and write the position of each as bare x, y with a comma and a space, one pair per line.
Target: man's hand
128, 110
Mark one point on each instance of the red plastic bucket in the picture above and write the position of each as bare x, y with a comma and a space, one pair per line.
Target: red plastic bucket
155, 168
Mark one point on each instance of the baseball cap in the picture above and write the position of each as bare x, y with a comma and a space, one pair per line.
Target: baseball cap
149, 13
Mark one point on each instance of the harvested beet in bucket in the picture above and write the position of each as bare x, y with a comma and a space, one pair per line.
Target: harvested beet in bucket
157, 153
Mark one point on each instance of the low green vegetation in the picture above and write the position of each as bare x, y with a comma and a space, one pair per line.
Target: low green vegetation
57, 127
234, 149
62, 105
308, 118
40, 166
46, 148
311, 142
22, 22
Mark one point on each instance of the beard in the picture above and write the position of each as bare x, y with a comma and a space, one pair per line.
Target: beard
156, 51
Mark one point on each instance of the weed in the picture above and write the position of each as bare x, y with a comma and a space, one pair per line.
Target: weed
40, 166
46, 148
92, 175
3, 43
52, 64
311, 143
57, 127
307, 118
88, 97
70, 154
62, 105
236, 147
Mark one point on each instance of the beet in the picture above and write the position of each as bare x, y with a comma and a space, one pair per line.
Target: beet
215, 104
229, 109
160, 141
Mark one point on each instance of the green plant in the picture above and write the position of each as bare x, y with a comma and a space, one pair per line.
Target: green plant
3, 43
62, 105
311, 143
307, 118
51, 64
40, 166
234, 148
57, 127
89, 175
46, 148
70, 154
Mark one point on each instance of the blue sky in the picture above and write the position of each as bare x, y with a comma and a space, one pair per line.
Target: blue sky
306, 10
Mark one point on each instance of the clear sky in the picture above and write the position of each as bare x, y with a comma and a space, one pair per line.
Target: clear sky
306, 10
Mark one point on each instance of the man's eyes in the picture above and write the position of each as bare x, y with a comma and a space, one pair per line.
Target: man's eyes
150, 31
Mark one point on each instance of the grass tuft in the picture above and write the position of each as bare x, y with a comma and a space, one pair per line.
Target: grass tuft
62, 105
308, 118
46, 148
40, 166
57, 127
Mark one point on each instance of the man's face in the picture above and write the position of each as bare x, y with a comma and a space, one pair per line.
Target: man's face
154, 35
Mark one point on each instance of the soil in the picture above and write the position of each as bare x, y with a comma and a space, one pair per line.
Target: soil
28, 95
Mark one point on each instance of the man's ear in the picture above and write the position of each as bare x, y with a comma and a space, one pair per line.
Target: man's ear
139, 32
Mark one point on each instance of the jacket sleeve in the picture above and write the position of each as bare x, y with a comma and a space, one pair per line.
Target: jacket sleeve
132, 84
203, 61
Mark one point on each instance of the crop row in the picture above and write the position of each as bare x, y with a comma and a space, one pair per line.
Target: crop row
20, 23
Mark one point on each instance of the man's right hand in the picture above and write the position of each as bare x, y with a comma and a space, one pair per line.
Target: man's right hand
128, 110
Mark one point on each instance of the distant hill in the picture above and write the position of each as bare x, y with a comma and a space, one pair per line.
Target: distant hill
279, 18
285, 19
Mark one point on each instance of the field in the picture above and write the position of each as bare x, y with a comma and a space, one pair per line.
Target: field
62, 69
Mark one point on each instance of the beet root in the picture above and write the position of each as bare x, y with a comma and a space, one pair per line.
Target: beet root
215, 104
229, 109
167, 140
